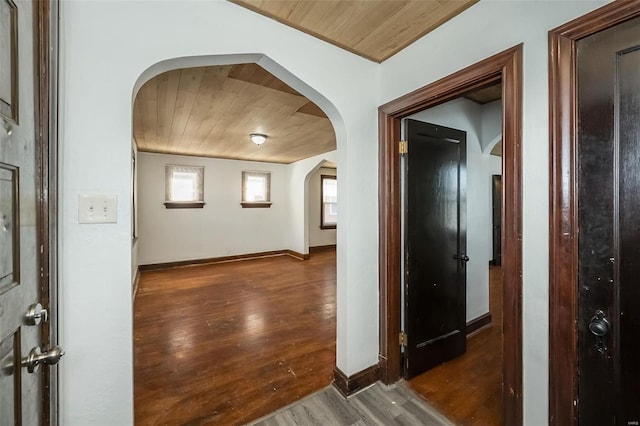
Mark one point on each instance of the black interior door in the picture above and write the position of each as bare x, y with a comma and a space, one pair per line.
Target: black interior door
496, 189
435, 245
609, 226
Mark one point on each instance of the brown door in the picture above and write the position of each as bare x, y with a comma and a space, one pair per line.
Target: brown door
22, 350
496, 189
609, 226
435, 245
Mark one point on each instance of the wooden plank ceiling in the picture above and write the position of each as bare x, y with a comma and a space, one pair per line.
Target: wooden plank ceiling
374, 29
210, 112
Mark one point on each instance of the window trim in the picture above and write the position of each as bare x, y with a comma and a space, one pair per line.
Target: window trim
322, 224
255, 204
194, 204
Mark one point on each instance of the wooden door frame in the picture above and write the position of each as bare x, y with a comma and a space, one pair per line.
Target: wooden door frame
563, 204
46, 67
507, 68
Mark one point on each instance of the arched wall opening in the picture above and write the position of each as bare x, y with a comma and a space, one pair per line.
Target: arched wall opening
298, 173
309, 212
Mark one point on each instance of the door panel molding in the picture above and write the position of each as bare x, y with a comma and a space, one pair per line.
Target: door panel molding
563, 204
506, 67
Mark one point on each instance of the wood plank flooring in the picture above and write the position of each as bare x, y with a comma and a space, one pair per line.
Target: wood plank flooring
229, 343
468, 389
376, 405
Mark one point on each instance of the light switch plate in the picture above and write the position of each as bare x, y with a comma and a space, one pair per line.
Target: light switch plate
101, 208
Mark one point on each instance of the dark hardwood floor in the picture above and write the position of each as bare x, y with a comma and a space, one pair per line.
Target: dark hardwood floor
468, 389
229, 343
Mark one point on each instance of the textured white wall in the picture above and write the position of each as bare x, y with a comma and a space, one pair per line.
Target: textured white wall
463, 114
222, 227
317, 236
485, 29
105, 47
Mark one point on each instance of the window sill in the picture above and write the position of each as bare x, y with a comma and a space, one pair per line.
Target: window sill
184, 204
327, 226
246, 205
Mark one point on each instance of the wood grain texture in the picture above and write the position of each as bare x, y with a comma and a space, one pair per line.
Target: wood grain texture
210, 112
486, 95
373, 29
468, 389
377, 405
348, 385
505, 67
563, 223
229, 343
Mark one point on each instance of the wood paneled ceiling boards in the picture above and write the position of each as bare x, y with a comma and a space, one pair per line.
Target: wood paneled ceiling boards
210, 112
373, 29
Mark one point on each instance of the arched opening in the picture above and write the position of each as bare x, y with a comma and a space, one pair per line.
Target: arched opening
233, 312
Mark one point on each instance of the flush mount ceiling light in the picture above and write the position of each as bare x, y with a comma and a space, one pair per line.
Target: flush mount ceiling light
258, 138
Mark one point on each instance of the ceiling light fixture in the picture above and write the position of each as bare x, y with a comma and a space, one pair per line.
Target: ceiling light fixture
258, 138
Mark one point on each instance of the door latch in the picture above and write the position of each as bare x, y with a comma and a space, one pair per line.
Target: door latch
36, 357
599, 327
36, 314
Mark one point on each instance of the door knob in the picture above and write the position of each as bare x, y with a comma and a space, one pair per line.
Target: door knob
461, 257
36, 357
35, 314
599, 325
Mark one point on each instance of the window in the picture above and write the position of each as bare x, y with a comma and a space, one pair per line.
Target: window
328, 202
256, 189
184, 187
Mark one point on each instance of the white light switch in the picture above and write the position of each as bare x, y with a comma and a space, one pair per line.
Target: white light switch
97, 208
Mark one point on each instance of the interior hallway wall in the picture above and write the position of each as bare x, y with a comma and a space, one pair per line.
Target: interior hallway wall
105, 49
222, 227
485, 29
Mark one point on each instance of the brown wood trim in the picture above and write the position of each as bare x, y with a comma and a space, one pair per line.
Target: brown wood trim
507, 68
194, 262
136, 284
297, 255
347, 386
246, 205
563, 221
46, 90
183, 205
317, 249
478, 322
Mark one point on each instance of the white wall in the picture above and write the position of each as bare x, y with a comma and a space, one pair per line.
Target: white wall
317, 236
491, 124
105, 47
487, 28
222, 227
463, 114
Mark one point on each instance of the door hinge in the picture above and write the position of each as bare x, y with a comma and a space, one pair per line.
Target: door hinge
402, 338
403, 147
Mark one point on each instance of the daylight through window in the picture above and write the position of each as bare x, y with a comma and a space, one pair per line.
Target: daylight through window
256, 189
329, 202
184, 186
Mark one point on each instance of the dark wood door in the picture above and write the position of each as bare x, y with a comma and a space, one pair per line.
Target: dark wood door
496, 231
435, 245
609, 226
